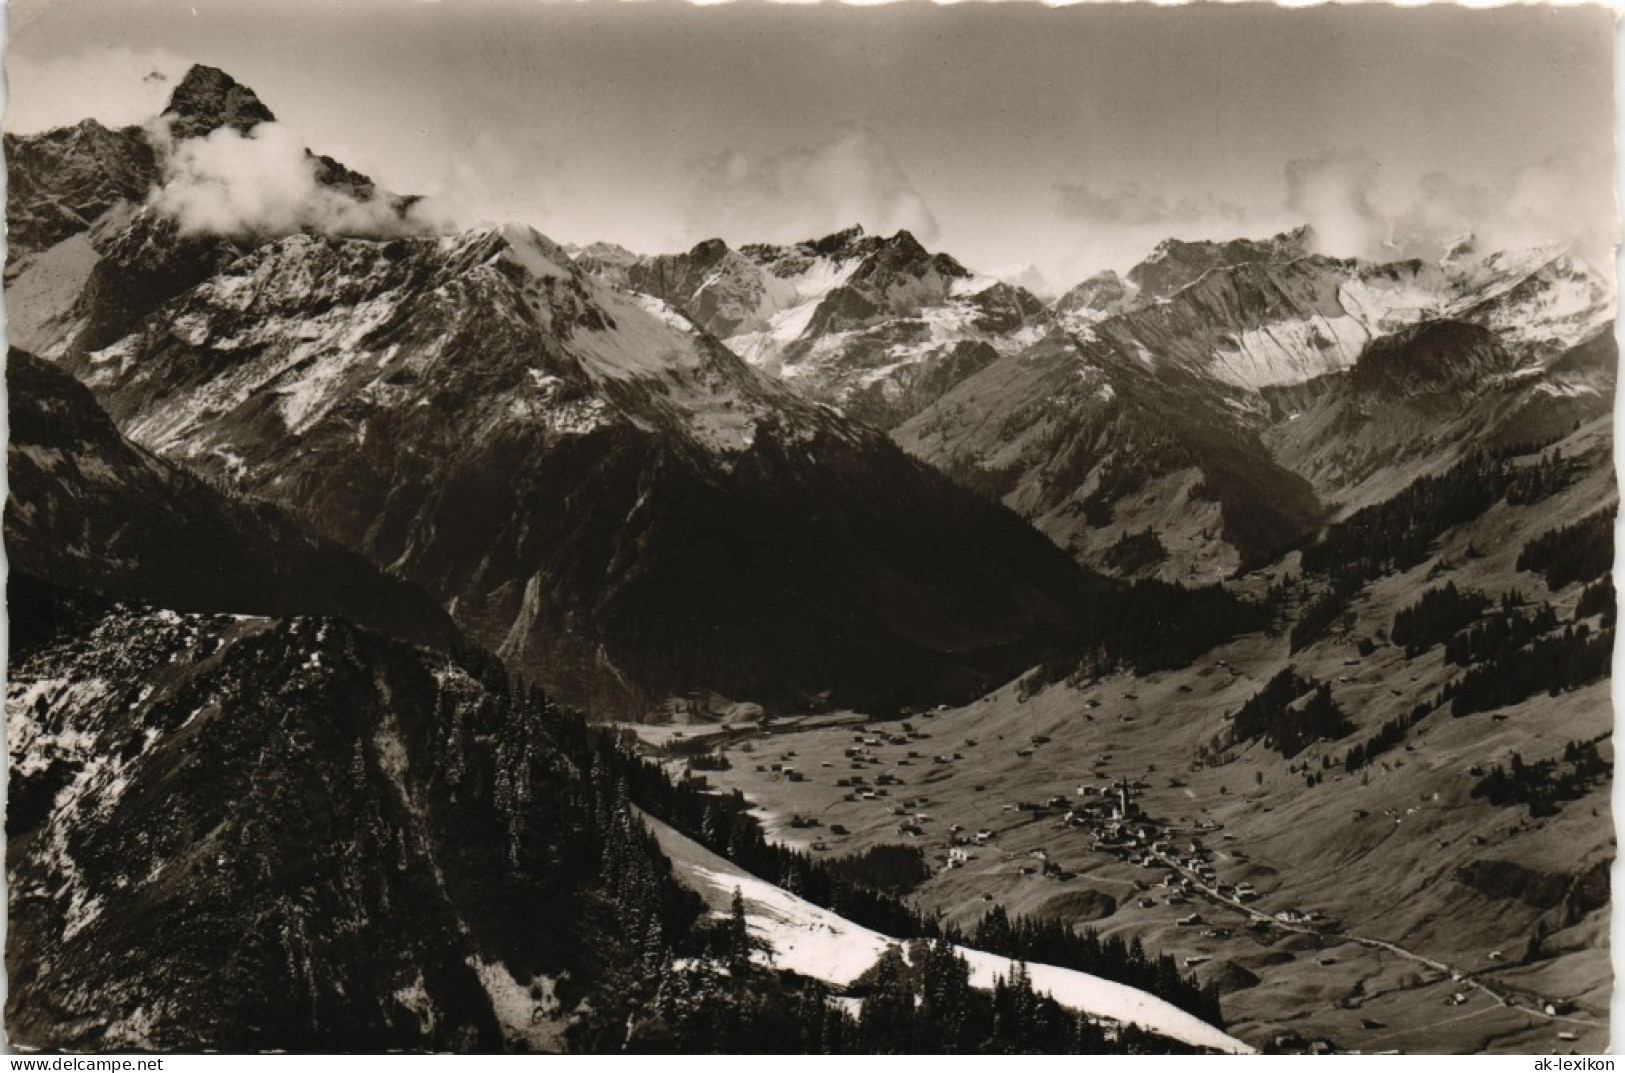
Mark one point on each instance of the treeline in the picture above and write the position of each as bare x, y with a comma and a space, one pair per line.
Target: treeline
1398, 533
1393, 535
1583, 551
726, 1001
1149, 626
723, 824
1436, 616
1390, 734
1055, 943
1496, 637
1158, 625
1552, 664
1598, 599
1135, 551
1546, 784
1270, 716
1317, 616
1543, 479
926, 1005
890, 867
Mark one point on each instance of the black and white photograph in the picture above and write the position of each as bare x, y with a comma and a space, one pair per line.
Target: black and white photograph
604, 527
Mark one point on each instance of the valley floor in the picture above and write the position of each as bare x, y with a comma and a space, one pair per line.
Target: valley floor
1380, 944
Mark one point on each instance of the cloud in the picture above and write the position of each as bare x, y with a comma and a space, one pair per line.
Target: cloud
807, 193
1140, 206
1565, 198
1359, 208
499, 175
1333, 192
117, 86
263, 184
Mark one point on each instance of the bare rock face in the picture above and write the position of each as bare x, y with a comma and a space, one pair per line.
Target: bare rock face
876, 326
208, 99
89, 510
1176, 264
62, 181
1256, 384
595, 487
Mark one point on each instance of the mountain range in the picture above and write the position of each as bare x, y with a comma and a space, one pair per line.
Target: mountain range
316, 528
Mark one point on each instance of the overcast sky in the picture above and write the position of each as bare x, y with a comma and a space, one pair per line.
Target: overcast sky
1075, 138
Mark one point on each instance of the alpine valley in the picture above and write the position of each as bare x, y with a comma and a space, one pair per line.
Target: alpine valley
437, 640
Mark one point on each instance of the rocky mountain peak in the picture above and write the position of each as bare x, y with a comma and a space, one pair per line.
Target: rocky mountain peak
839, 242
1176, 263
208, 99
709, 251
1100, 293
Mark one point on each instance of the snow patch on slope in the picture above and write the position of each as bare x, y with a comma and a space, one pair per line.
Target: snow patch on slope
817, 943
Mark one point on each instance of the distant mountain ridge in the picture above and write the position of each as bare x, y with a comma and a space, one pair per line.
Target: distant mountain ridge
877, 326
89, 510
1179, 400
590, 482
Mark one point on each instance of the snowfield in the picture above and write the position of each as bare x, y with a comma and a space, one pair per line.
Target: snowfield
819, 944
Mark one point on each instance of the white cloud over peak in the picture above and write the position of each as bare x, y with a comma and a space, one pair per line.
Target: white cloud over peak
263, 183
807, 192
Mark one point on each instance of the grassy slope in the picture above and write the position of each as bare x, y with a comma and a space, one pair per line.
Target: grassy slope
1385, 876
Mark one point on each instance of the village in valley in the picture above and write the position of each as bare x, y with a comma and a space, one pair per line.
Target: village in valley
1114, 807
